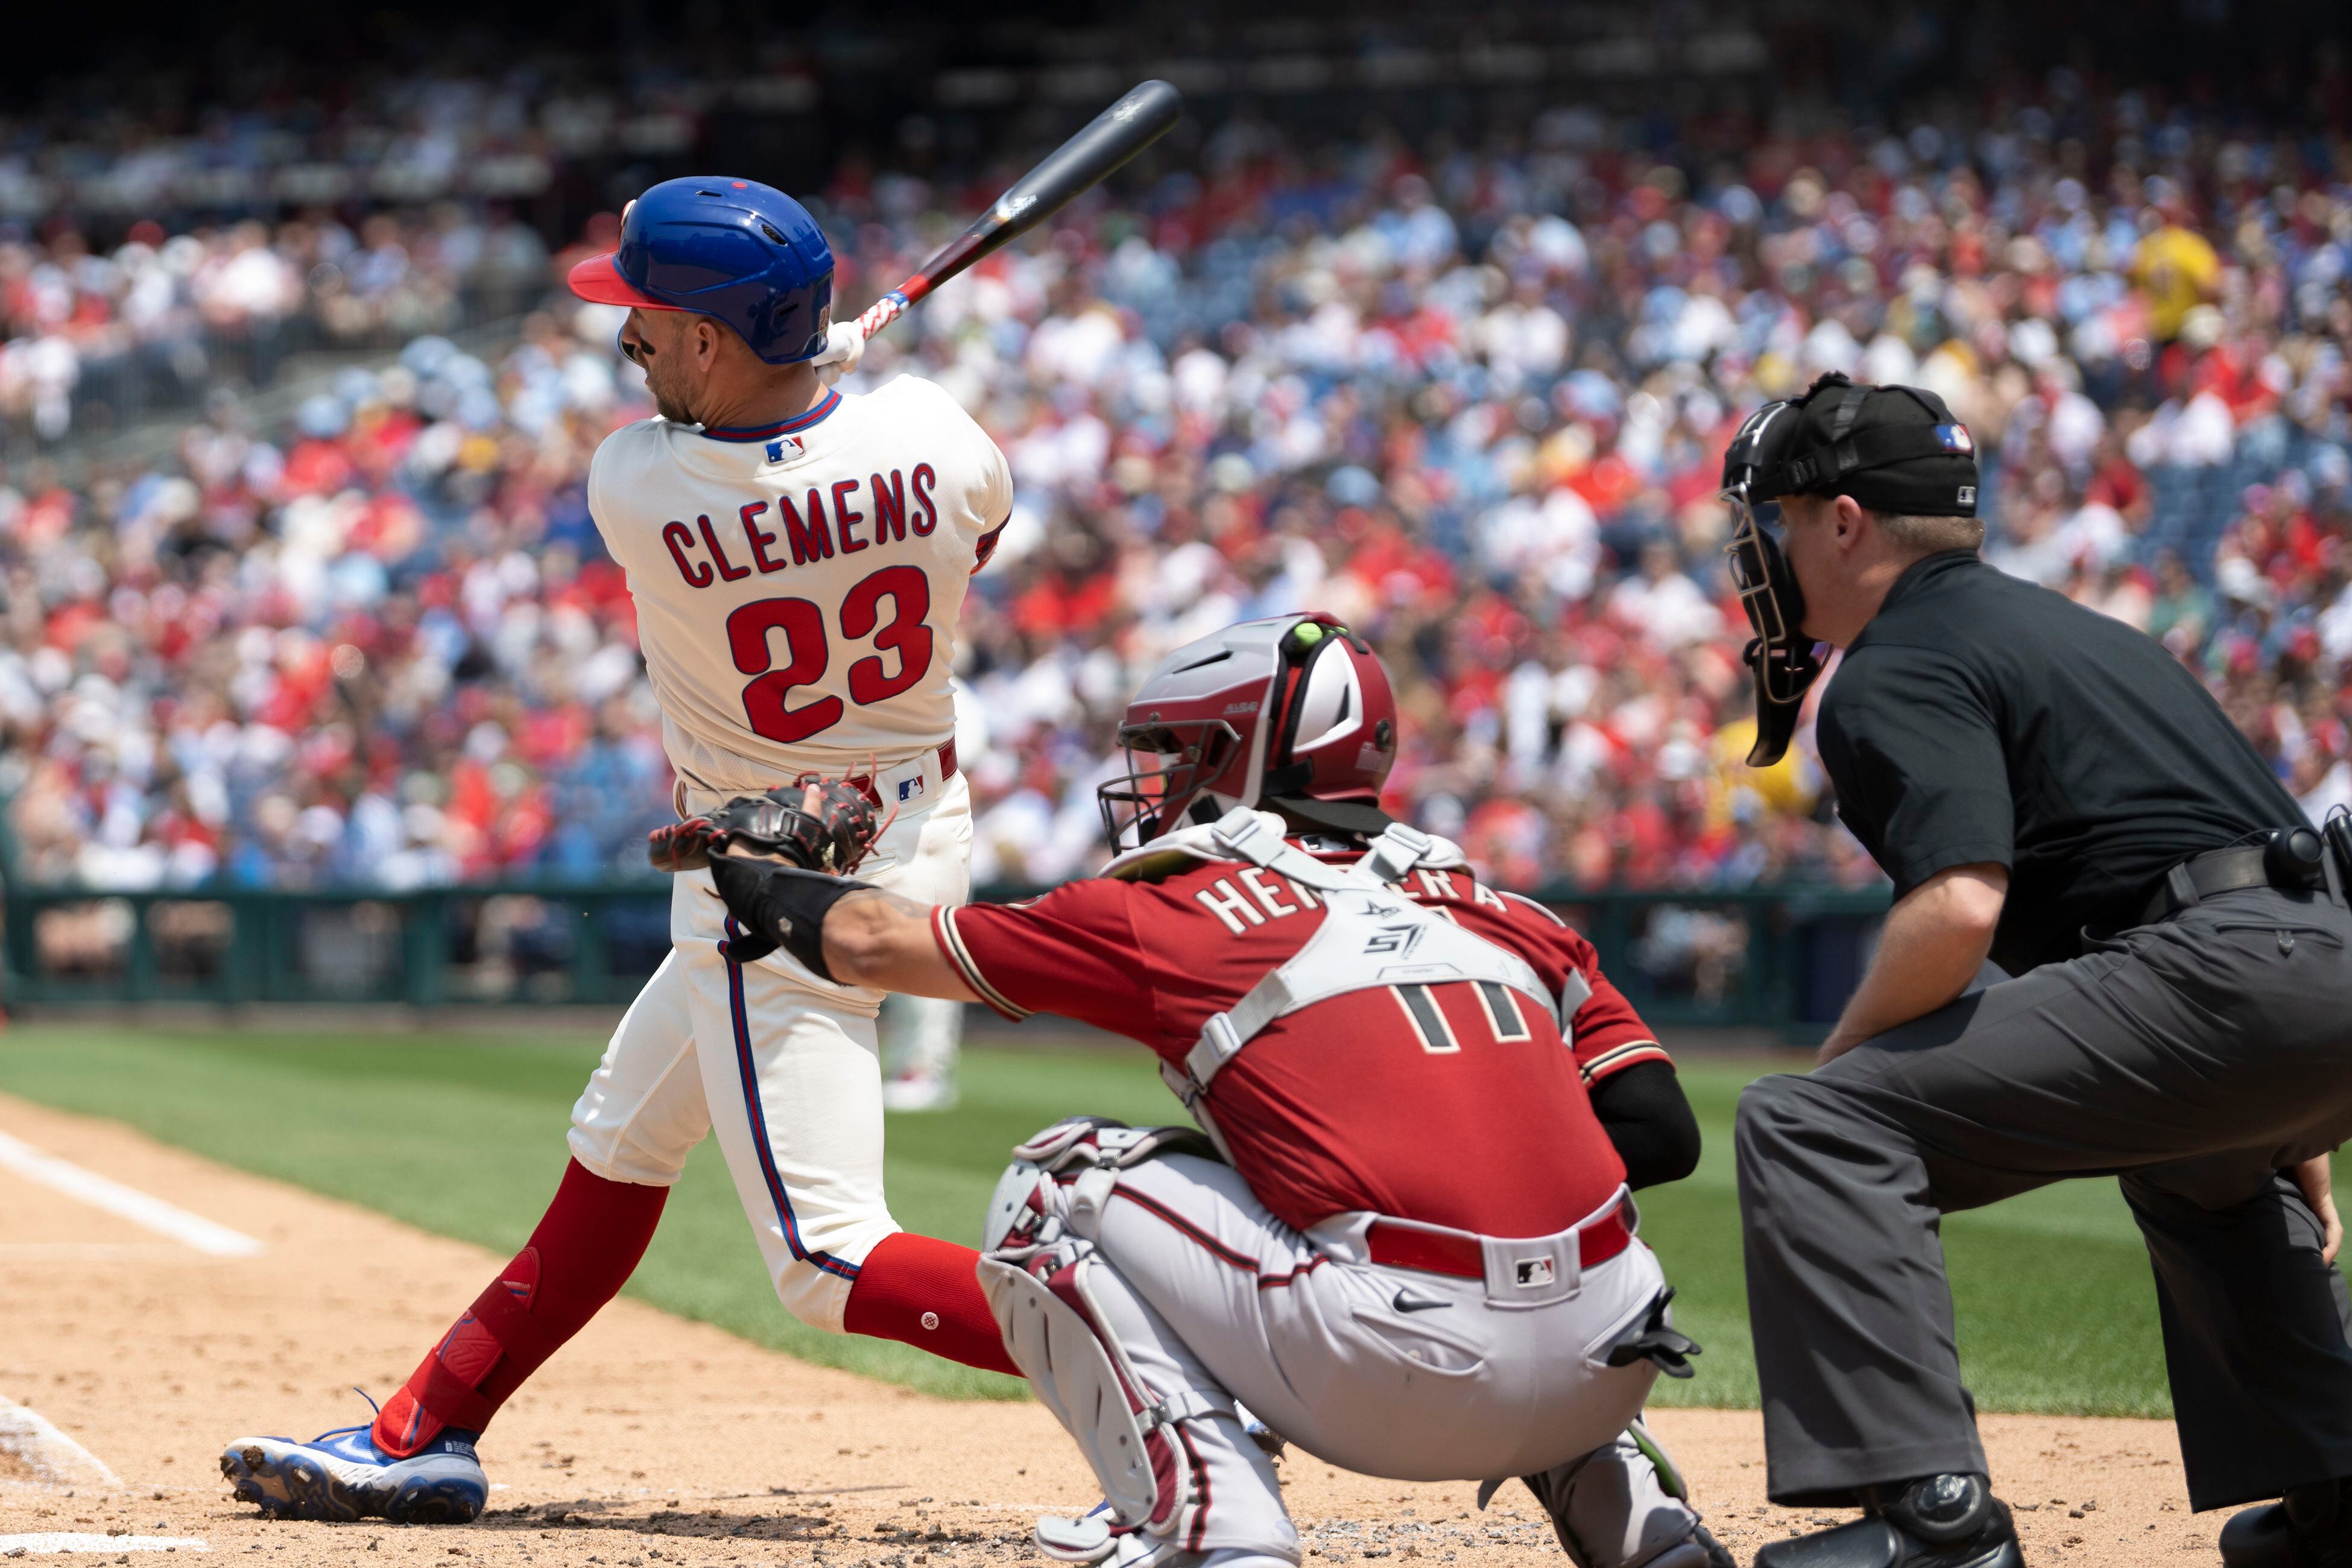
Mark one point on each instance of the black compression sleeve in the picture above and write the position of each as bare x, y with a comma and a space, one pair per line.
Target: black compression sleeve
778, 906
1651, 1124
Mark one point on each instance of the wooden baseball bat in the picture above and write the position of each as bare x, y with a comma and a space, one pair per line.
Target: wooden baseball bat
1116, 134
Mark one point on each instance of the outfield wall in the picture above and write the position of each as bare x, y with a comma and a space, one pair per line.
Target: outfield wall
1782, 957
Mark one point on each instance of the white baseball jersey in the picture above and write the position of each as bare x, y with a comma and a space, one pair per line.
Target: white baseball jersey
798, 585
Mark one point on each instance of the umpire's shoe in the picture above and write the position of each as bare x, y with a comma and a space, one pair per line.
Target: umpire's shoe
2311, 1526
1937, 1521
343, 1476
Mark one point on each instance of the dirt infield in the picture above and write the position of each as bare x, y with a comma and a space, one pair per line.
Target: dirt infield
655, 1440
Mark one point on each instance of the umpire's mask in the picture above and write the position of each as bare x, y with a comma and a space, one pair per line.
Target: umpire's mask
1895, 449
1781, 660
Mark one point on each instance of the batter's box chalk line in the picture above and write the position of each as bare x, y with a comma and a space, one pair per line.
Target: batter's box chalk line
193, 1230
43, 1542
54, 1458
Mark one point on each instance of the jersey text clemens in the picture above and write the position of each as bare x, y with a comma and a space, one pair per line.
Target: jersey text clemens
798, 585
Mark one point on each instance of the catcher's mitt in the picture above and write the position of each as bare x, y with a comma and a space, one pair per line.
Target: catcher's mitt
817, 824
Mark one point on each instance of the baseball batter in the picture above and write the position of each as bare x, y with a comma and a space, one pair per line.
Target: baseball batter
1402, 1236
798, 559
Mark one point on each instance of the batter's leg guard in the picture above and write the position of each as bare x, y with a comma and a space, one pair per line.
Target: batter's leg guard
1623, 1506
445, 1390
585, 1247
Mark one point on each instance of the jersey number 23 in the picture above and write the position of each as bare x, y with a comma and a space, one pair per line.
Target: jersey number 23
808, 653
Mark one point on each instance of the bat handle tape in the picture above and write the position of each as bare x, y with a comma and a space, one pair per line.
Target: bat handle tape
882, 312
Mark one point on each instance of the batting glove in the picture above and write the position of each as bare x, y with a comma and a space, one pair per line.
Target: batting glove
845, 346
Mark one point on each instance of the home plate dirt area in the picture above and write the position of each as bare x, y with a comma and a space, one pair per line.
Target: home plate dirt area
129, 1354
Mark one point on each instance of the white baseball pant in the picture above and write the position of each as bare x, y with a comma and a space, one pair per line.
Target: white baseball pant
782, 1065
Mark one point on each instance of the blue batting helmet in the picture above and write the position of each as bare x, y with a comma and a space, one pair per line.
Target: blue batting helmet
735, 251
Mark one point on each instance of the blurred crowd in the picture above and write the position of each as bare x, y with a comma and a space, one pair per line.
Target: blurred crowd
1471, 398
159, 319
372, 206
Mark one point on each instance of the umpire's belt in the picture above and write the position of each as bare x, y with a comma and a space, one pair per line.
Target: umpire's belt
1518, 1271
2216, 871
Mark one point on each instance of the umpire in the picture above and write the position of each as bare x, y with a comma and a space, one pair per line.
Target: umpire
2051, 791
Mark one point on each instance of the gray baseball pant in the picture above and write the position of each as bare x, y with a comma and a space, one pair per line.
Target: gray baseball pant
2194, 1058
1387, 1371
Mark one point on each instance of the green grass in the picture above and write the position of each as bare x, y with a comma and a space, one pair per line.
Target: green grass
463, 1136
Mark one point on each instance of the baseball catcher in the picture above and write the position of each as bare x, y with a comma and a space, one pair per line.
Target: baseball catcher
1400, 1232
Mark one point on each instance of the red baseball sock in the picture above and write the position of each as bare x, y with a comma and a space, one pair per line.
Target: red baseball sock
925, 1292
586, 1246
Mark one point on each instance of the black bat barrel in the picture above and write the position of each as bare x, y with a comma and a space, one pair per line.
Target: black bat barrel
1138, 120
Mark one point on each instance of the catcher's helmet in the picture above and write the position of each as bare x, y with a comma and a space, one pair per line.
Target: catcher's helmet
1292, 713
735, 251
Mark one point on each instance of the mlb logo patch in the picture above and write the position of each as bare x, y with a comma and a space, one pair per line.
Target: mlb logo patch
776, 448
1534, 1273
1953, 438
908, 789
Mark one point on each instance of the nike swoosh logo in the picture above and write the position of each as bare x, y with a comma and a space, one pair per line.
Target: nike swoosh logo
1405, 1303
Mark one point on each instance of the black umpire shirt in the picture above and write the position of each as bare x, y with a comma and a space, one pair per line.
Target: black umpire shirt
1979, 717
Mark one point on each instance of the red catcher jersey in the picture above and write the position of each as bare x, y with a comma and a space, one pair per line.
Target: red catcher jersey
1468, 1119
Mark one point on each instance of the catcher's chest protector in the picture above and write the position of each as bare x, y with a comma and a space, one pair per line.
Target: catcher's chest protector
1371, 936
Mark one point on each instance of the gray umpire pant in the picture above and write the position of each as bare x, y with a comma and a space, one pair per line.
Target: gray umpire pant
2195, 1059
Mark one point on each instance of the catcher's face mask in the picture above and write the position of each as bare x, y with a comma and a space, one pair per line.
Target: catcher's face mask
1169, 765
1781, 659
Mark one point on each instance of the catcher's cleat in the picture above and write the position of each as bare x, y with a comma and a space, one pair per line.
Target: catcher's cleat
1092, 1539
343, 1475
1270, 1443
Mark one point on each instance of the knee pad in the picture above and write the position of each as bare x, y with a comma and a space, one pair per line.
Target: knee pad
1067, 1172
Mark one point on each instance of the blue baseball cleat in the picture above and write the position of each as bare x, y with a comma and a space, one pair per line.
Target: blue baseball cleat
343, 1475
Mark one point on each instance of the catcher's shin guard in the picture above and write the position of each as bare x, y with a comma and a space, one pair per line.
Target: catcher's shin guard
1132, 1435
1059, 1334
1623, 1506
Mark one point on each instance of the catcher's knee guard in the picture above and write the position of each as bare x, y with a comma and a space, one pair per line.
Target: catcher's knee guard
1069, 1169
1039, 1279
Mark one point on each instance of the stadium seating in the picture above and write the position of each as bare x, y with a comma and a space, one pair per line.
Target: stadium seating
1472, 400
